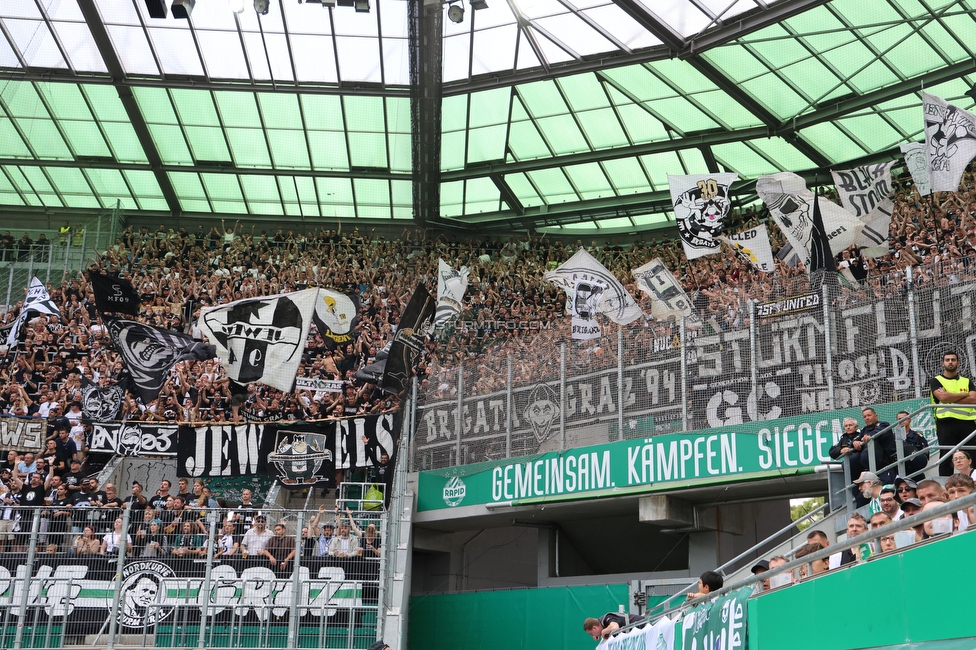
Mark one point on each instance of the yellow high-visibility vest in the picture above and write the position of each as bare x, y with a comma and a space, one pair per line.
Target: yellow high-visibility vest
955, 411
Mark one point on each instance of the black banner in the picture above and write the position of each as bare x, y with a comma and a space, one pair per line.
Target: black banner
101, 403
417, 321
22, 434
135, 439
114, 294
78, 589
299, 453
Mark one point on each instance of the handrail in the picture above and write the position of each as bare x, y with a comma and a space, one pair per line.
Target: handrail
870, 535
744, 554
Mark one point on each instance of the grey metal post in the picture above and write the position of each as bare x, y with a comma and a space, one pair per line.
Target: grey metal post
113, 616
827, 348
98, 233
754, 369
50, 254
10, 285
84, 243
684, 374
620, 382
67, 252
296, 583
508, 409
460, 412
25, 587
30, 266
412, 410
913, 332
205, 609
562, 395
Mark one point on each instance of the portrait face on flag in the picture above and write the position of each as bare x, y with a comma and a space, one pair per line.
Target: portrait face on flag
148, 352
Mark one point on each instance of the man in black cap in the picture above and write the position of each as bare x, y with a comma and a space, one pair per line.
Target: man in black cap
74, 480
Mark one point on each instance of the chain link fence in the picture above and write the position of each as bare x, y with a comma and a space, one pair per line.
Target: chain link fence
776, 349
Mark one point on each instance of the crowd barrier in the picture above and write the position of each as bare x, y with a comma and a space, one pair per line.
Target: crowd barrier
179, 593
852, 346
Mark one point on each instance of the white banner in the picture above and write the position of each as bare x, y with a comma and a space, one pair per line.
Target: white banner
261, 339
323, 385
659, 636
669, 299
950, 142
451, 286
753, 245
791, 205
867, 193
38, 301
918, 166
701, 203
591, 289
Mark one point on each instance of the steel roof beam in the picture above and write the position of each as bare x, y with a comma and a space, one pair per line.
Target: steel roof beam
107, 51
746, 24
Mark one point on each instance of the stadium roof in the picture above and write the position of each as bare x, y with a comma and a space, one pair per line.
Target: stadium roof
566, 114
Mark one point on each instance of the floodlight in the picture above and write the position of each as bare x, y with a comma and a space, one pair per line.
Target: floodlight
156, 8
455, 12
362, 6
261, 6
237, 6
478, 5
183, 8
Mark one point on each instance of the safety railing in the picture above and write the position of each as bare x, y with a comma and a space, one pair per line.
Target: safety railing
864, 548
197, 578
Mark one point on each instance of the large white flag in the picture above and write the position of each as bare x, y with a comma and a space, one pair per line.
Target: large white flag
261, 339
753, 244
668, 297
918, 166
38, 301
701, 203
790, 204
867, 193
590, 290
950, 142
451, 286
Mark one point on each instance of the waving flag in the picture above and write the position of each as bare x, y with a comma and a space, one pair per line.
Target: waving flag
590, 290
149, 353
668, 298
701, 203
753, 245
415, 324
918, 166
868, 194
950, 142
262, 339
791, 205
336, 315
114, 294
451, 286
38, 301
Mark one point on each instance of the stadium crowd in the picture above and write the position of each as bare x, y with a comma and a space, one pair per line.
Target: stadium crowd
178, 272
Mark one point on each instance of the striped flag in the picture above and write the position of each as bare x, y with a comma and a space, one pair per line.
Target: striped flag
38, 301
451, 286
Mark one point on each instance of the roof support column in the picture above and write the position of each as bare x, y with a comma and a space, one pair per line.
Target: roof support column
425, 31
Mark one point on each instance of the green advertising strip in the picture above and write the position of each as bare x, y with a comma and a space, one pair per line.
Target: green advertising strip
719, 624
734, 453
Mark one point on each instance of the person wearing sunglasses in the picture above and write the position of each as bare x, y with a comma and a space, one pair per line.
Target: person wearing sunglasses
905, 489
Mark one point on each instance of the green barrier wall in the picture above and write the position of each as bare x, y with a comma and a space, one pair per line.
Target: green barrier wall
909, 600
502, 620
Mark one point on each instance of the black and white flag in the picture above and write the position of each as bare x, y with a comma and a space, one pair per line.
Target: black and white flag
668, 298
38, 301
114, 294
415, 324
701, 203
868, 194
918, 166
451, 286
149, 353
262, 339
134, 439
590, 290
950, 142
336, 314
790, 204
101, 403
753, 245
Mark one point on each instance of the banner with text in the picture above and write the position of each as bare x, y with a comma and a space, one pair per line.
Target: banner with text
721, 454
718, 624
23, 434
134, 439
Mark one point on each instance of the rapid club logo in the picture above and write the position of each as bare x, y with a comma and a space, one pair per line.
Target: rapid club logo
454, 491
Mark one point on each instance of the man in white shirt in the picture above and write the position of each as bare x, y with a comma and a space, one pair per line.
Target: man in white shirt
256, 539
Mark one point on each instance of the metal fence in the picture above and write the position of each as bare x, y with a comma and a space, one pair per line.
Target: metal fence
197, 579
757, 352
